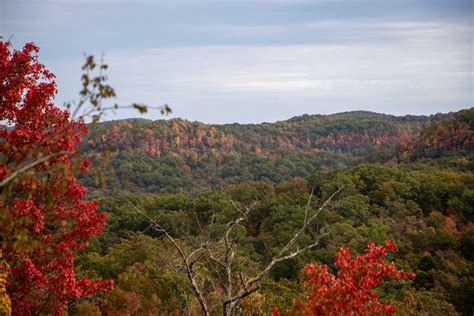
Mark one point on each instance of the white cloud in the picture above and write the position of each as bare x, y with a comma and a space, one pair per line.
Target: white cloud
428, 71
237, 78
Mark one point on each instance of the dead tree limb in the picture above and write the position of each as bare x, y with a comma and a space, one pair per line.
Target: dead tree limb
226, 246
186, 259
29, 166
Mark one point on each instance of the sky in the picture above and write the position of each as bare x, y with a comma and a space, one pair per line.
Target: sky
254, 61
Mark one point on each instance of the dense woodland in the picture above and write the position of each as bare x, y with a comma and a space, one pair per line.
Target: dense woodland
354, 213
407, 179
169, 155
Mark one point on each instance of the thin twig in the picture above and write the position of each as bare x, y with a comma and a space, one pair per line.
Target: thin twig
29, 166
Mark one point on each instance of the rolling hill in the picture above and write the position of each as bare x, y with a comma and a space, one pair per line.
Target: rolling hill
169, 155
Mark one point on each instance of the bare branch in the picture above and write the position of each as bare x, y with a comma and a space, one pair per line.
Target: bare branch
185, 259
29, 166
282, 256
222, 253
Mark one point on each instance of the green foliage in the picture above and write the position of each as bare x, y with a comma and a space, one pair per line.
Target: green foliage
157, 156
426, 210
417, 190
451, 136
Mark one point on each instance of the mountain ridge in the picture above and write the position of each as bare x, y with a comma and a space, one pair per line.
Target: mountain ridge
179, 154
293, 118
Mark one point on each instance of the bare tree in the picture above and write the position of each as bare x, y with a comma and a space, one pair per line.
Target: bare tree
222, 253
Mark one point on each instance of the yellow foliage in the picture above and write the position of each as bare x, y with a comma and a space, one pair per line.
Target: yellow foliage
5, 302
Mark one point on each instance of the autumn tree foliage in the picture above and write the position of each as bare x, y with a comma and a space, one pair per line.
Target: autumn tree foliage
45, 219
351, 290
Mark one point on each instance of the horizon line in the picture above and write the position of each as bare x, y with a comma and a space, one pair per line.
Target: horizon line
284, 120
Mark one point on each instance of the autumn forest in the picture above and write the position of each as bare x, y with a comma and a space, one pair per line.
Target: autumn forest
353, 213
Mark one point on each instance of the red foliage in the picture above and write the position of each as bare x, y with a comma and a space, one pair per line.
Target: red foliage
350, 292
45, 204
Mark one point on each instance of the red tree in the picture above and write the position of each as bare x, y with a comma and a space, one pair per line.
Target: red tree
350, 292
45, 219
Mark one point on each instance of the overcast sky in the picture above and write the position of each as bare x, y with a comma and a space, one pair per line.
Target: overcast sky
262, 60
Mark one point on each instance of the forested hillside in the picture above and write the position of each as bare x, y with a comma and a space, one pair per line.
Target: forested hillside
406, 179
110, 205
169, 155
452, 136
427, 211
